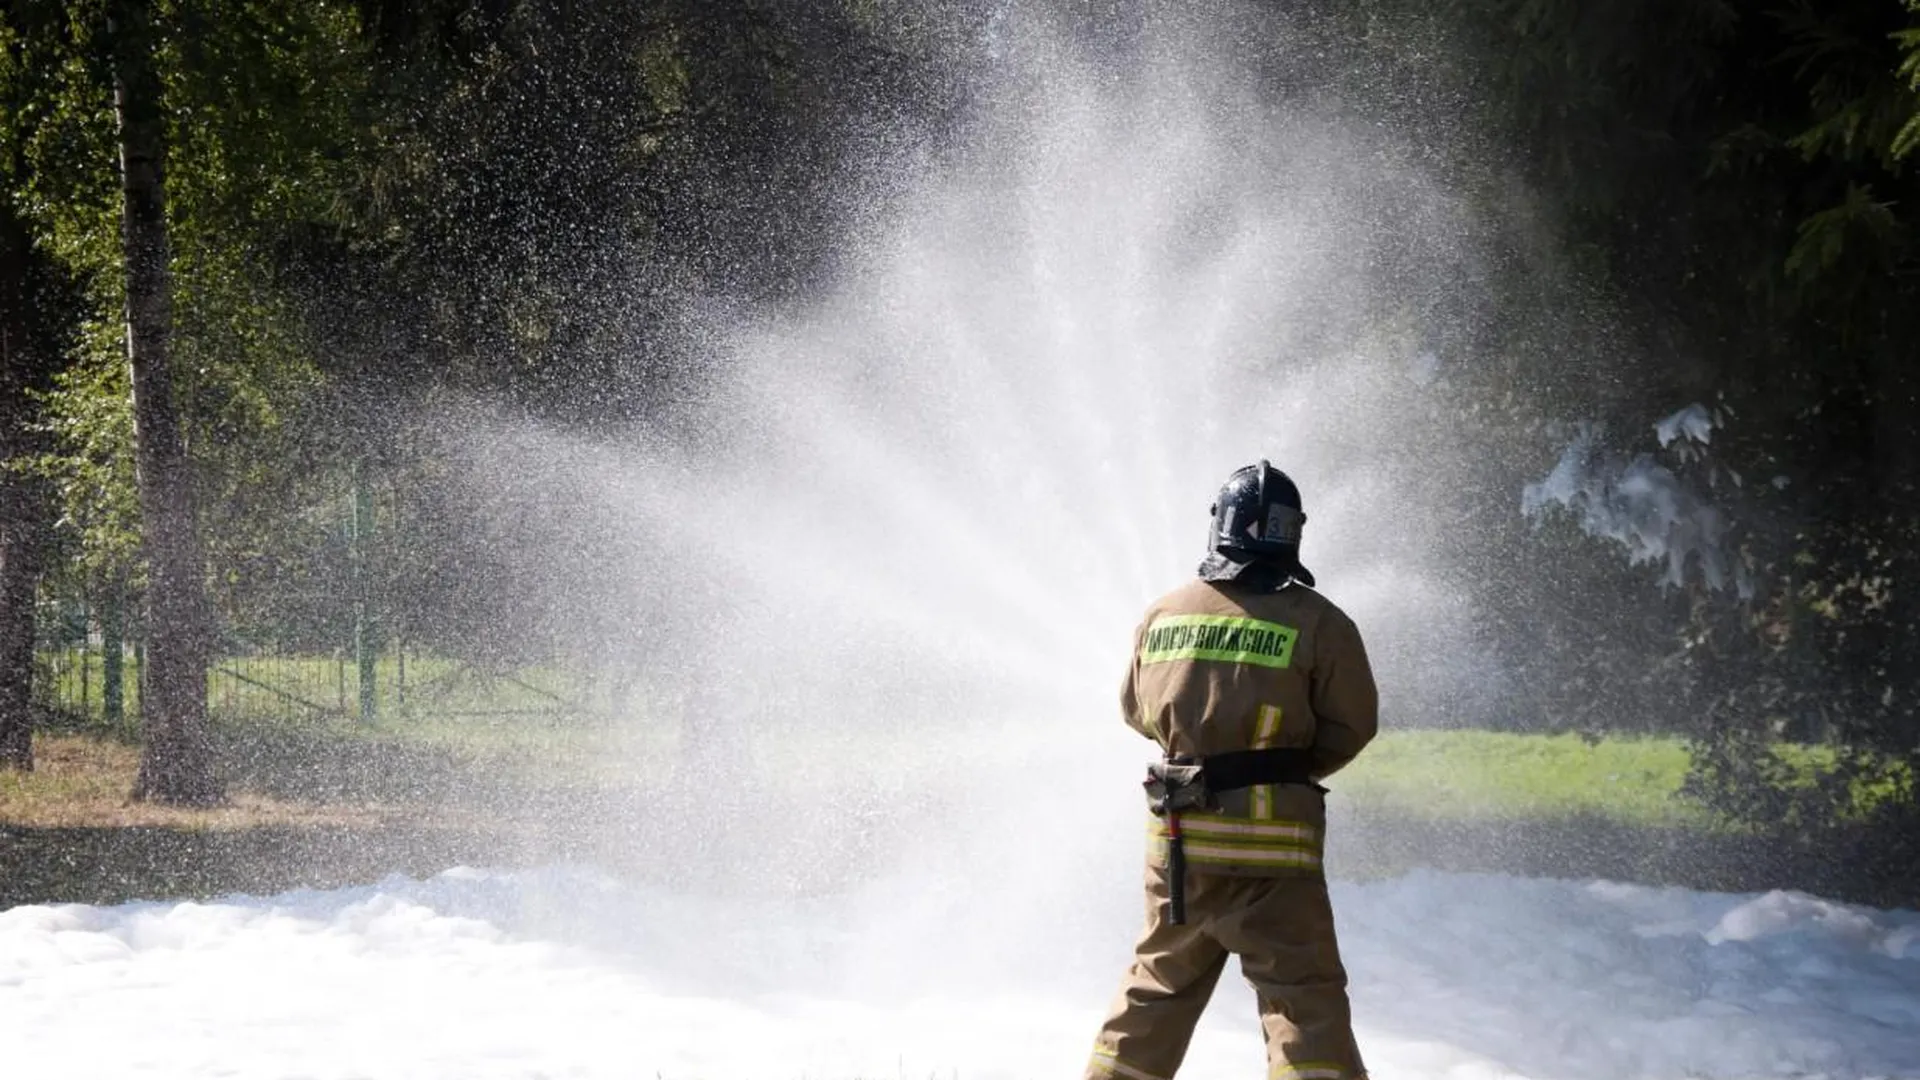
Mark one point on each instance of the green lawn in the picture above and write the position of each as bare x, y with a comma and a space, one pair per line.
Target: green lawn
1478, 774
1437, 774
552, 726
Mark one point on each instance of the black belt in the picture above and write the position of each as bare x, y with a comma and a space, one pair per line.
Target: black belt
1186, 783
1246, 768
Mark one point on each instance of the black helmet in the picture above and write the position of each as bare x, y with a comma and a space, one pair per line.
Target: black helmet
1256, 520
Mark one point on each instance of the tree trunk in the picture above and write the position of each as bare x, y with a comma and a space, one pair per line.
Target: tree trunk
176, 763
20, 566
23, 524
23, 502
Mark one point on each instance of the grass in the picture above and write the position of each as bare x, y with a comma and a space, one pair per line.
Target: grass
315, 804
344, 771
332, 765
333, 770
336, 801
1478, 775
546, 727
1488, 774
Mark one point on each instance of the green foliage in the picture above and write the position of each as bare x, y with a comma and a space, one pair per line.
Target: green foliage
59, 151
1739, 181
90, 415
262, 102
266, 101
1825, 237
373, 200
1908, 136
1753, 777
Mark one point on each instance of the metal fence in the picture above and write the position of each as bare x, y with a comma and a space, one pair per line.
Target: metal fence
335, 652
91, 681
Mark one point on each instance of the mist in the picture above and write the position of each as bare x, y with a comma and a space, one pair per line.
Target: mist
874, 573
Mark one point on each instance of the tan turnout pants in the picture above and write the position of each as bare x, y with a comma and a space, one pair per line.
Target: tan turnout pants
1282, 930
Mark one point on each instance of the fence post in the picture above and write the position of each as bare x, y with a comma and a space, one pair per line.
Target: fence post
113, 644
86, 665
364, 651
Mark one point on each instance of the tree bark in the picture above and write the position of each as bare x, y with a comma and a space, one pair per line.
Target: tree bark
176, 761
24, 519
20, 565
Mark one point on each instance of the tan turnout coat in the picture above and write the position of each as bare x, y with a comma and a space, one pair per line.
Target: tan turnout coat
1216, 670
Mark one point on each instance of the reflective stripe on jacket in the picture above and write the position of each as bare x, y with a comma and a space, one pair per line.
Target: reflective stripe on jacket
1217, 669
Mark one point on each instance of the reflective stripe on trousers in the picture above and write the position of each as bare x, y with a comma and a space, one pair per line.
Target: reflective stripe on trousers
1218, 840
1105, 1062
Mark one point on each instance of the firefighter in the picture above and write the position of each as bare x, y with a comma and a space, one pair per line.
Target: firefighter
1257, 688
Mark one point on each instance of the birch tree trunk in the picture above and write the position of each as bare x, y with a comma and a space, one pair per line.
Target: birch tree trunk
176, 761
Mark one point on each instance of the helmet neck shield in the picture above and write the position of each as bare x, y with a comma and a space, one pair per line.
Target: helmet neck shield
1256, 575
1257, 523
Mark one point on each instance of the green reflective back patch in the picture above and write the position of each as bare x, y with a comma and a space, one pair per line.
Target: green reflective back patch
1229, 639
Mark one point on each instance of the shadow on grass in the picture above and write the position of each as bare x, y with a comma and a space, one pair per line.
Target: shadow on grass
103, 865
318, 766
336, 766
310, 808
1876, 864
106, 865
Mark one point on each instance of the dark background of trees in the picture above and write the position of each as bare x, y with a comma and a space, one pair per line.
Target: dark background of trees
382, 200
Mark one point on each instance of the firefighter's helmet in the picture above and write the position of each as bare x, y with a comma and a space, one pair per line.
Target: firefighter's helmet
1257, 516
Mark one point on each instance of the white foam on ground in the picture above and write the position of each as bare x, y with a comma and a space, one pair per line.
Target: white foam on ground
568, 973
